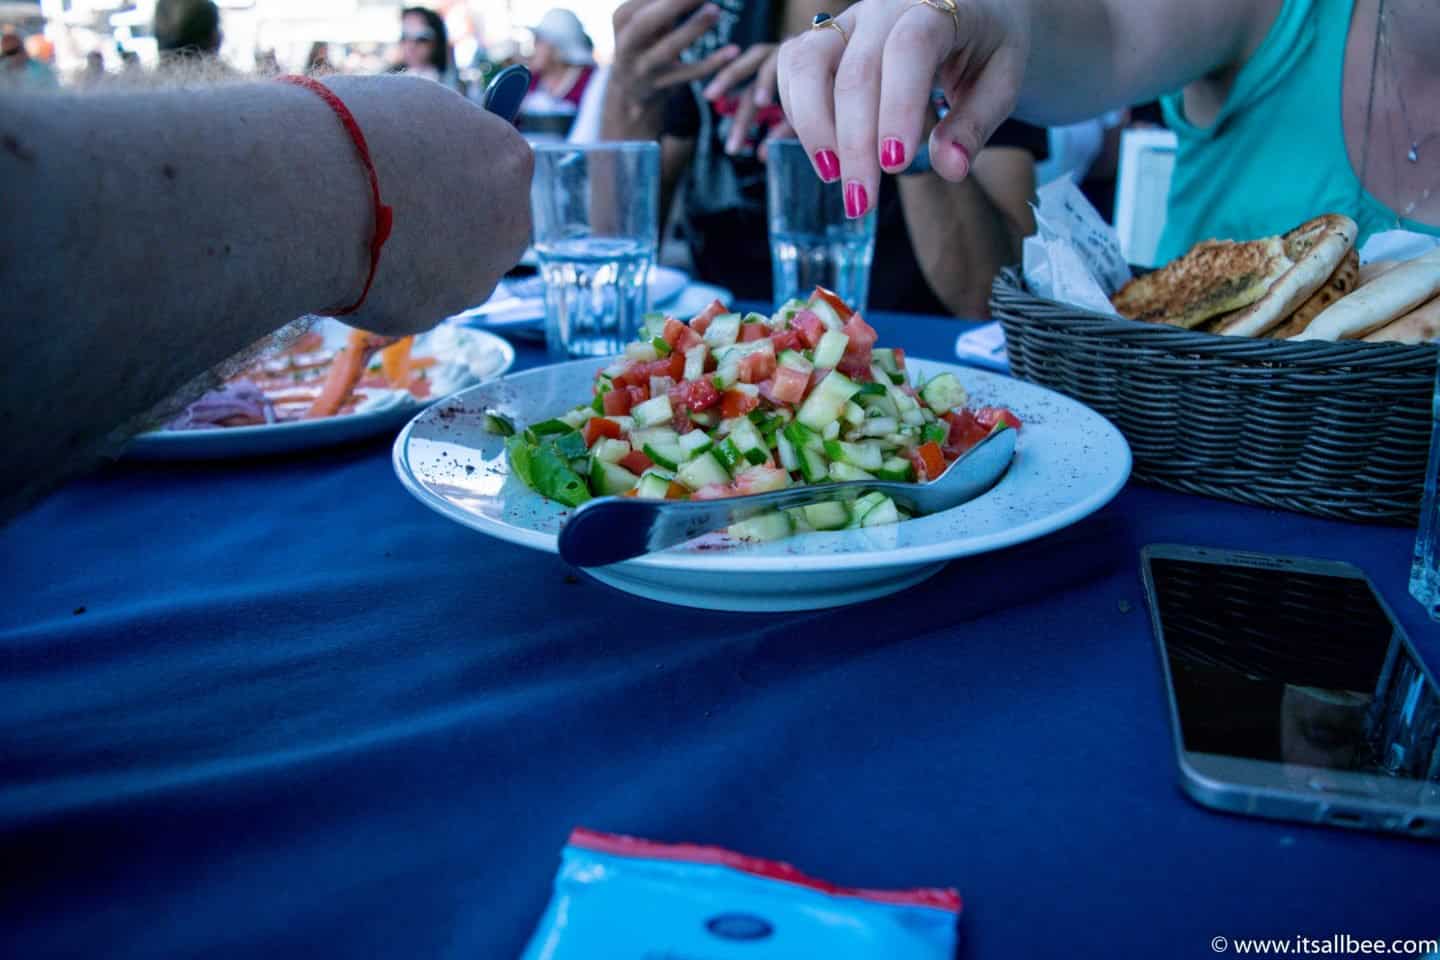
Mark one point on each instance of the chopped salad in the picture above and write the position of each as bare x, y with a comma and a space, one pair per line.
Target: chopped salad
728, 405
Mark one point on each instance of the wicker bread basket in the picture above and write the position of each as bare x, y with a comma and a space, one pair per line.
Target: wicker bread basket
1340, 430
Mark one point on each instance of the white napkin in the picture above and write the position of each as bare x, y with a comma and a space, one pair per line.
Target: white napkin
1397, 245
1074, 256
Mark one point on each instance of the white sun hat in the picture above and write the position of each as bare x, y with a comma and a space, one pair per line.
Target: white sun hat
563, 29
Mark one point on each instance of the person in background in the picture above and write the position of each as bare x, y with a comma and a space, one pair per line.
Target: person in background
187, 30
694, 87
224, 214
425, 47
94, 74
267, 64
18, 70
561, 65
318, 60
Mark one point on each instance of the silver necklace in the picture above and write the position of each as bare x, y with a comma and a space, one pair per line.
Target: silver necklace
1416, 145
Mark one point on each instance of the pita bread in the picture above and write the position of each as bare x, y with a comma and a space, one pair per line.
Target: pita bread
1377, 268
1345, 278
1316, 249
1420, 325
1378, 302
1215, 277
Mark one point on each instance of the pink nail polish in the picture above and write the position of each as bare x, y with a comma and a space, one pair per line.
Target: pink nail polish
856, 200
892, 153
964, 156
828, 164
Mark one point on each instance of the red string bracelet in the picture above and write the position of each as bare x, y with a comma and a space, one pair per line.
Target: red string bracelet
384, 216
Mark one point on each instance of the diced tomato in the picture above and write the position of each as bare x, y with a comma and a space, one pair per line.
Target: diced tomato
842, 309
862, 335
856, 365
931, 459
617, 402
676, 370
597, 427
636, 462
736, 403
899, 357
713, 491
750, 332
676, 491
766, 476
989, 416
808, 324
638, 394
679, 336
701, 322
680, 419
757, 367
698, 395
965, 432
767, 391
790, 385
787, 340
816, 375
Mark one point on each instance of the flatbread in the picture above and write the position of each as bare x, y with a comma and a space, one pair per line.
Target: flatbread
1420, 325
1215, 277
1345, 279
1316, 249
1378, 302
1377, 268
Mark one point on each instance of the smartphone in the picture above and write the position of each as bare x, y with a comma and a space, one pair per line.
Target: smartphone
1294, 694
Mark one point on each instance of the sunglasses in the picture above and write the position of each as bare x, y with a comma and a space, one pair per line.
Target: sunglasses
425, 37
10, 53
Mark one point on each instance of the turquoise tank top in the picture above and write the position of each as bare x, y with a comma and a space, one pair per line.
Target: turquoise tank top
1238, 179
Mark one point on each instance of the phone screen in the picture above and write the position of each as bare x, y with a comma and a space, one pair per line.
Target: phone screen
1291, 667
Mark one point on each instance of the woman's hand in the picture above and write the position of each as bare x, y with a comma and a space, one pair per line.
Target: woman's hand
859, 105
648, 45
754, 71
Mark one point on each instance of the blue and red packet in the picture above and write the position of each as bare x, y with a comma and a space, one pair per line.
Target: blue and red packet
618, 896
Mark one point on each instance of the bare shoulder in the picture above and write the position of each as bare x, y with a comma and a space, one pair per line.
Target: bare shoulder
1242, 25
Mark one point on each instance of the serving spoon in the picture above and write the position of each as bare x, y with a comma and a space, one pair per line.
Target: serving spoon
611, 529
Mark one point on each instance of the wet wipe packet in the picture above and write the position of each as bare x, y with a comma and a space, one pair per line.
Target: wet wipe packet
623, 897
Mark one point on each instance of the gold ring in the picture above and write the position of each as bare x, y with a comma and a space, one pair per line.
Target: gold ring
947, 7
824, 20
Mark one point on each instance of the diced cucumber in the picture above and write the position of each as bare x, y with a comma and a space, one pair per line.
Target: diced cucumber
822, 309
725, 378
610, 479
723, 330
654, 324
730, 458
865, 504
934, 433
626, 423
569, 445
660, 436
883, 513
826, 401
801, 436
641, 351
748, 442
693, 443
611, 451
913, 417
831, 348
749, 389
704, 418
795, 361
944, 393
577, 417
789, 459
866, 456
652, 412
828, 515
832, 430
854, 413
669, 457
878, 406
695, 361
879, 426
797, 520
842, 472
813, 466
499, 424
787, 312
555, 425
768, 526
702, 471
896, 470
652, 486
662, 348
753, 317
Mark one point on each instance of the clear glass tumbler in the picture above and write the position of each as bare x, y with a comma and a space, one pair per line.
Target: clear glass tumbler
596, 227
1425, 571
812, 242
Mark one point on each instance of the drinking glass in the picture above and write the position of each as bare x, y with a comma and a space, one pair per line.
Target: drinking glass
1425, 570
596, 227
812, 242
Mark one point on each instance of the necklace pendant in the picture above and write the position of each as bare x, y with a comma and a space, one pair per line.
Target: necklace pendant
1414, 155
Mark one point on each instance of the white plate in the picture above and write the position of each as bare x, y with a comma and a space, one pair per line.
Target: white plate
1069, 462
487, 356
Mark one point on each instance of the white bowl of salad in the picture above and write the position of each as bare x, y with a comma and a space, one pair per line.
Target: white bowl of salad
727, 404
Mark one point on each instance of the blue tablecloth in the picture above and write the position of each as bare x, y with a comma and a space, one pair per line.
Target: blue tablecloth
278, 708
